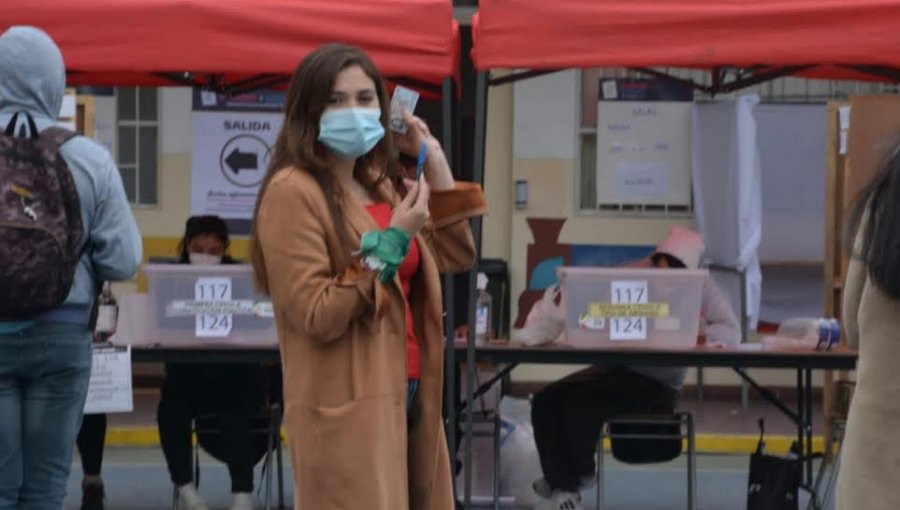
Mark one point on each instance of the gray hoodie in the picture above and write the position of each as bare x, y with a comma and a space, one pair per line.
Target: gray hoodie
33, 80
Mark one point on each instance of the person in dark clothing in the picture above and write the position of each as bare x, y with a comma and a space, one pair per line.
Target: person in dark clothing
227, 398
90, 442
91, 438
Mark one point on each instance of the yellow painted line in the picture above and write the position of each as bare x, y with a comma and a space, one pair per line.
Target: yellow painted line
138, 436
723, 443
706, 443
132, 436
715, 443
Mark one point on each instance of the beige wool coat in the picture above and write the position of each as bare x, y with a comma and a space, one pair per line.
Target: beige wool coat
869, 477
343, 349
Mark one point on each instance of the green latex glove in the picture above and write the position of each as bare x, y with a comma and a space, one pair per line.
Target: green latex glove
384, 250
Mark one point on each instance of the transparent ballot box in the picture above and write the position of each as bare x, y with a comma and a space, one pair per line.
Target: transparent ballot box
615, 307
190, 305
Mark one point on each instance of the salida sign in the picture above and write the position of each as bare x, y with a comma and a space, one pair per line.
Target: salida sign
244, 157
230, 157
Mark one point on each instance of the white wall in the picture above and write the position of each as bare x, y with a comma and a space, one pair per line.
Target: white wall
498, 185
545, 117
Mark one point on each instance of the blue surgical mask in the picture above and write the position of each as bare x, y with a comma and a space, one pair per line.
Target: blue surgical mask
351, 132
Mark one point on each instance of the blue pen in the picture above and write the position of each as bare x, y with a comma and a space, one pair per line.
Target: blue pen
420, 164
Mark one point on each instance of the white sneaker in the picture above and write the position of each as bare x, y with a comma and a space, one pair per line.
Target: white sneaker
542, 487
561, 501
189, 498
242, 501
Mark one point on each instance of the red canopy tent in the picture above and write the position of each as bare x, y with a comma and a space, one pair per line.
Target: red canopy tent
755, 39
236, 45
741, 43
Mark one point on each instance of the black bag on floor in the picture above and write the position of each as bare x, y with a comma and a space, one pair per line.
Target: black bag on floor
774, 481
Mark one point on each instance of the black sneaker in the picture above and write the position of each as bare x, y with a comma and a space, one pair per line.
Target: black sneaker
92, 496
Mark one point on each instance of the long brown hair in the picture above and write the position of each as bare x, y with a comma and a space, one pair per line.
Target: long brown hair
298, 149
876, 214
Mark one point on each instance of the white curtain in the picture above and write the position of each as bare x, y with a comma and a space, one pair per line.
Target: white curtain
727, 187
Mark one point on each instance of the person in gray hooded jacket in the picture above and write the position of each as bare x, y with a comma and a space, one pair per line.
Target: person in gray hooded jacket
45, 361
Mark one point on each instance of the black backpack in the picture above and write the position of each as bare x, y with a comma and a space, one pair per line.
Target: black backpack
40, 221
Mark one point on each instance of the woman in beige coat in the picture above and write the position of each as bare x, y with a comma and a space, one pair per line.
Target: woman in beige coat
869, 476
360, 333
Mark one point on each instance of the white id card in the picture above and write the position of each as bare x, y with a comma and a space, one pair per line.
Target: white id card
404, 100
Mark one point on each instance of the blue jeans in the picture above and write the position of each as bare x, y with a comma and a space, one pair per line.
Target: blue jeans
44, 374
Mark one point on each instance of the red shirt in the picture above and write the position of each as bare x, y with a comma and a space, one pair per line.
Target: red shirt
381, 213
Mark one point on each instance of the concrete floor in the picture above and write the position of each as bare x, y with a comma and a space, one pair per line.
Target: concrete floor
136, 479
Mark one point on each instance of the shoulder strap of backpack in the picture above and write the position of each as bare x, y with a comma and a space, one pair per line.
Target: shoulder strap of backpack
14, 121
53, 137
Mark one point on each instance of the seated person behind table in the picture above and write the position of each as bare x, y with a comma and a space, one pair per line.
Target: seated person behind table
567, 415
232, 396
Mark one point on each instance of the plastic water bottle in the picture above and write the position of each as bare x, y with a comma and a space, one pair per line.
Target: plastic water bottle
812, 333
107, 314
483, 309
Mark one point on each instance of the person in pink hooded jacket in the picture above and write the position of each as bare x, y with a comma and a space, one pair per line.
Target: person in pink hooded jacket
568, 414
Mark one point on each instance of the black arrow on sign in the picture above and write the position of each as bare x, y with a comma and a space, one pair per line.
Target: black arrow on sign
238, 161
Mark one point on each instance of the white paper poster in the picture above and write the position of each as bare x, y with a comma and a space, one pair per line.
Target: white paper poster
230, 156
643, 152
643, 179
109, 390
844, 116
69, 107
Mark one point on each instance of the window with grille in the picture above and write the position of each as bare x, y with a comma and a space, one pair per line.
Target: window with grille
137, 143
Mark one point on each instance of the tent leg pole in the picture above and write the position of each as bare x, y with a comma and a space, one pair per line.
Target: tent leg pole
481, 94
